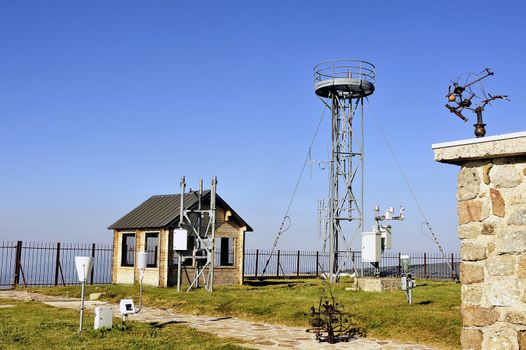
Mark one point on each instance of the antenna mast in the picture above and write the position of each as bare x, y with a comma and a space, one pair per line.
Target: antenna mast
342, 86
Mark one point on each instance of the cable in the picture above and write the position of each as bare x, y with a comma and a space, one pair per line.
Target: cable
286, 218
424, 217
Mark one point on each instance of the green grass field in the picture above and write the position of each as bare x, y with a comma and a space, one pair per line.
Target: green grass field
31, 325
434, 318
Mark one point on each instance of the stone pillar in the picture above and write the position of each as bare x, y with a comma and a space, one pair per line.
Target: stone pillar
491, 195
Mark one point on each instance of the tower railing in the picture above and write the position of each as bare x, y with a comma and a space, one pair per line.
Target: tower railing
345, 68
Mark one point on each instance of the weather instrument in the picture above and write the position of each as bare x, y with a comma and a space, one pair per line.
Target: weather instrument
83, 264
463, 96
407, 283
374, 243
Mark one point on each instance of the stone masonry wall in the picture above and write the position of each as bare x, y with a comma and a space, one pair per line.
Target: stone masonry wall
491, 198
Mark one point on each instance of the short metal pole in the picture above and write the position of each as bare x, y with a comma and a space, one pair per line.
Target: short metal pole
410, 296
317, 263
452, 267
399, 265
361, 267
425, 265
257, 260
93, 270
18, 258
298, 265
82, 306
57, 263
179, 271
277, 264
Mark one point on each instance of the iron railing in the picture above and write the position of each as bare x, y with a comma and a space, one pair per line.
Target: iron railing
344, 68
311, 264
51, 264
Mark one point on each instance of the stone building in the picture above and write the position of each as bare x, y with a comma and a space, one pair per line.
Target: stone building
149, 227
491, 197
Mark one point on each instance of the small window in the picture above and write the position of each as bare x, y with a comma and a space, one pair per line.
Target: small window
128, 249
225, 251
152, 248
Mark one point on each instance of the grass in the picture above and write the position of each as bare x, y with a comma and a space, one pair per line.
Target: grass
433, 319
31, 325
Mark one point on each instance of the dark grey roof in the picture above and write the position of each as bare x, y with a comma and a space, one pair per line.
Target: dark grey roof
163, 210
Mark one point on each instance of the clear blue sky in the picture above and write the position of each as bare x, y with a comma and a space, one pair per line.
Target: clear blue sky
104, 103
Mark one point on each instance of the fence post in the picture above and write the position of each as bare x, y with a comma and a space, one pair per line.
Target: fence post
399, 265
317, 263
93, 268
452, 267
298, 265
18, 257
425, 265
57, 263
277, 264
257, 258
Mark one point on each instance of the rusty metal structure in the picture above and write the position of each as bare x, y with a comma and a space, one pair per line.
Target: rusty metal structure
330, 323
462, 97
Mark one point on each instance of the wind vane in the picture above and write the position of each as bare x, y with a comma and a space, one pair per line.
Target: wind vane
462, 97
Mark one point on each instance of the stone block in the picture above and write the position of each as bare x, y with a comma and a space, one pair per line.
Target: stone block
521, 339
472, 252
471, 273
471, 293
471, 339
95, 296
468, 184
511, 241
503, 292
499, 342
470, 231
501, 265
377, 284
488, 229
516, 316
491, 247
485, 173
497, 202
470, 211
518, 217
478, 316
521, 270
505, 176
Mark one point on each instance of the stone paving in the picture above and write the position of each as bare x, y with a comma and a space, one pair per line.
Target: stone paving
260, 336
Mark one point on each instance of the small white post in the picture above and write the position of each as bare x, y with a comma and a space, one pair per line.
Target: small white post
84, 264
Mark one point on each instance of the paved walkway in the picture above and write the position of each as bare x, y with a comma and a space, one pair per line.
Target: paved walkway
261, 336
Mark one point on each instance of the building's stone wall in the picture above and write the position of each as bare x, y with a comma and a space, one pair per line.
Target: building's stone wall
165, 274
491, 197
130, 274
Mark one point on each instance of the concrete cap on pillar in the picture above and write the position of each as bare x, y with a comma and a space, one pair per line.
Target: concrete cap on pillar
458, 152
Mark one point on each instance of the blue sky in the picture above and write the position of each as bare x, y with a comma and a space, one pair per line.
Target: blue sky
105, 103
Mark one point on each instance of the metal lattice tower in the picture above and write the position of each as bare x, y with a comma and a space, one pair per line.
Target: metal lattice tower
203, 253
342, 85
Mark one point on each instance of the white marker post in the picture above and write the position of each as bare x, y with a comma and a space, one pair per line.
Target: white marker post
84, 264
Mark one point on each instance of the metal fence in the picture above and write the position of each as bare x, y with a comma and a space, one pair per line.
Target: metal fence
310, 264
51, 264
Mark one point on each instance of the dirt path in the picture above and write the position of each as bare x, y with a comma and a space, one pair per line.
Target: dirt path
261, 336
